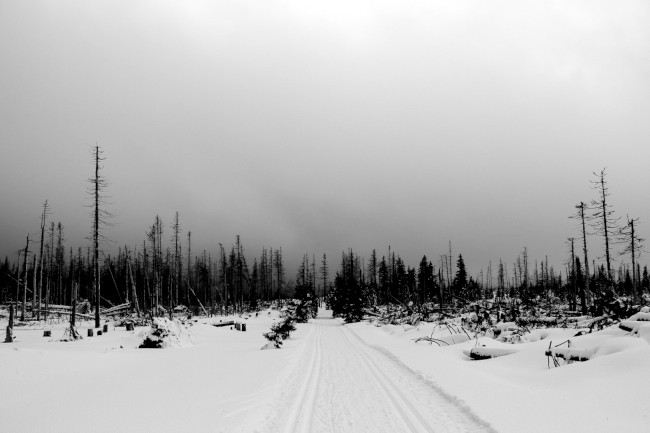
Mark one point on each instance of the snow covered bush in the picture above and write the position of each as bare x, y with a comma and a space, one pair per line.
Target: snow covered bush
166, 333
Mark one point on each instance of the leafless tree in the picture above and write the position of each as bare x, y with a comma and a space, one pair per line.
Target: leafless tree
634, 245
25, 252
99, 219
177, 265
39, 293
602, 218
580, 215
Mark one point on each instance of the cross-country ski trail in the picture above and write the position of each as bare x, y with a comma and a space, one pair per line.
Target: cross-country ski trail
341, 384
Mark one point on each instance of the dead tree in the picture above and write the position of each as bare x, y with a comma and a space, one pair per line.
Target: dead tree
99, 214
155, 237
39, 293
572, 276
580, 214
324, 272
26, 251
189, 264
602, 218
633, 247
177, 265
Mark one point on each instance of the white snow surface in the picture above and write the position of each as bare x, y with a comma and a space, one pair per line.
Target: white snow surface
328, 377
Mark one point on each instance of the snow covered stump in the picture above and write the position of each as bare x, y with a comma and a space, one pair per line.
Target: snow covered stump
166, 333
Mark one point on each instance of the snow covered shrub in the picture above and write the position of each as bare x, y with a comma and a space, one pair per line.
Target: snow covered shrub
280, 331
305, 309
166, 333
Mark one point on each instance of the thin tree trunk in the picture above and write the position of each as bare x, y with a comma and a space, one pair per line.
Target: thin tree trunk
583, 291
22, 312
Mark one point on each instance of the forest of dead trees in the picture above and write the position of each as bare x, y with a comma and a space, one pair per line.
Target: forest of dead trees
164, 273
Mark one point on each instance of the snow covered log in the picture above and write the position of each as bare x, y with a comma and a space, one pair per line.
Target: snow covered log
117, 309
633, 326
228, 323
371, 313
640, 317
83, 316
590, 323
483, 352
571, 353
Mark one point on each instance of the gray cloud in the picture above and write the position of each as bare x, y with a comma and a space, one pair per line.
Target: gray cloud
317, 126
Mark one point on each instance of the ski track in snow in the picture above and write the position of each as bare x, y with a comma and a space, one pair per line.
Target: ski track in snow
342, 384
303, 407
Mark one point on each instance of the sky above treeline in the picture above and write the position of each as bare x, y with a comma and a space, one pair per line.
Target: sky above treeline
318, 126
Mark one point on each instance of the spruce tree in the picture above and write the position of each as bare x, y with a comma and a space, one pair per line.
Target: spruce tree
460, 280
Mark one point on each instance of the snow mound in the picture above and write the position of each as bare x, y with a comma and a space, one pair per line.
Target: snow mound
640, 317
166, 333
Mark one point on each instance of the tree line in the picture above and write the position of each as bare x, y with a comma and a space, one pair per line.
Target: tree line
164, 272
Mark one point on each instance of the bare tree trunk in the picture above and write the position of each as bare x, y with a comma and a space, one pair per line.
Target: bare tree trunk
573, 276
189, 263
133, 287
22, 311
40, 262
583, 303
34, 281
17, 282
96, 275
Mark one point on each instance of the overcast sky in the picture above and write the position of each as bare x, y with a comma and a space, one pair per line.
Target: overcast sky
321, 125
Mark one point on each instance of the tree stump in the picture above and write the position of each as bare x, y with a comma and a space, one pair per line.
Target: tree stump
129, 327
99, 332
243, 327
47, 333
10, 329
105, 329
90, 332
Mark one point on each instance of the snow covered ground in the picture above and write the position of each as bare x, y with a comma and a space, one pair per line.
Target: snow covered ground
328, 377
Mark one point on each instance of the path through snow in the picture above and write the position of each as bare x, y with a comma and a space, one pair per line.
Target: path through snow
341, 384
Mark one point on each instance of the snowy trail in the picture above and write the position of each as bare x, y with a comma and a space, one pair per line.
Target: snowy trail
342, 384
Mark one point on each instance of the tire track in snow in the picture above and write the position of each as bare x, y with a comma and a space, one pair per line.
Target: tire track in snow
300, 416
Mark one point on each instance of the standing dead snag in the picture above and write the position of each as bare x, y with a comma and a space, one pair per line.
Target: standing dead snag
39, 293
98, 184
603, 218
580, 214
633, 247
26, 251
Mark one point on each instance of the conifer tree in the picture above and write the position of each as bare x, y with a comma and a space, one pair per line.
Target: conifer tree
460, 280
